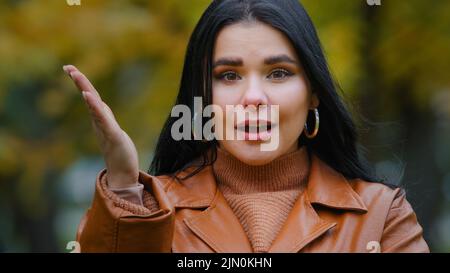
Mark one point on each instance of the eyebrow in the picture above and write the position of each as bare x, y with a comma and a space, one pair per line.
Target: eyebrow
228, 62
282, 58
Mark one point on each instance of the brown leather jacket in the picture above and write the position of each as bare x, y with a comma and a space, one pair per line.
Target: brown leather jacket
332, 215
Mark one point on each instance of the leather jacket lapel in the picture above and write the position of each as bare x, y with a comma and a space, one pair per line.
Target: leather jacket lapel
219, 227
302, 226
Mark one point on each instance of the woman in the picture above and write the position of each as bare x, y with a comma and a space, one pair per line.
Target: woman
312, 193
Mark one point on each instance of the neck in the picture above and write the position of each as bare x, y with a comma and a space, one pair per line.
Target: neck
284, 173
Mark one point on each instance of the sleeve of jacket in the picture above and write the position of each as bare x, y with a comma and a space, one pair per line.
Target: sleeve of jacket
402, 232
113, 224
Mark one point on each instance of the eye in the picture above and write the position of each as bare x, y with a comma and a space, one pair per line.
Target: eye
279, 74
229, 76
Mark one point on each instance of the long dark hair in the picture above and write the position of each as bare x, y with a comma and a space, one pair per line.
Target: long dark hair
336, 143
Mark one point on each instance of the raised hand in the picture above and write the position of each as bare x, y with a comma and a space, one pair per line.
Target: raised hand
118, 149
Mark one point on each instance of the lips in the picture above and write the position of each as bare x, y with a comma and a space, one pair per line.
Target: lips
255, 129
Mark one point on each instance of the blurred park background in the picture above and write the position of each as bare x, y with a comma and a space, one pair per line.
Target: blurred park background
392, 62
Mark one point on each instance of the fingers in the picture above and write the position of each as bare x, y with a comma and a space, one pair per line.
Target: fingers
80, 80
99, 113
102, 117
69, 68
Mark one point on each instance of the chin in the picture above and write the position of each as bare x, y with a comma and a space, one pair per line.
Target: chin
250, 152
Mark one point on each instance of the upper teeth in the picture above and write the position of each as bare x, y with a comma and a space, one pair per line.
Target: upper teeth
253, 127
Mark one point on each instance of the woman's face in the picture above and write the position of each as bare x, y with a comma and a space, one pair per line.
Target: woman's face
255, 65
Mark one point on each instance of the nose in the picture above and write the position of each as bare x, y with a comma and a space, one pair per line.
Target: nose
254, 94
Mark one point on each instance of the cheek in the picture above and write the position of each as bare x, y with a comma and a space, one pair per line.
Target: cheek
224, 95
294, 106
221, 96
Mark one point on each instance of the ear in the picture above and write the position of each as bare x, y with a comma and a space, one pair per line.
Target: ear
314, 103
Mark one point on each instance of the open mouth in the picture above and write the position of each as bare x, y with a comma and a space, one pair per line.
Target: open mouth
255, 130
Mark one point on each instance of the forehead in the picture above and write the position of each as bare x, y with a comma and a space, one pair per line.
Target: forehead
252, 39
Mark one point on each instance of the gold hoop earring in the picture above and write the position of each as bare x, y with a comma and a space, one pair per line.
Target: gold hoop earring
316, 126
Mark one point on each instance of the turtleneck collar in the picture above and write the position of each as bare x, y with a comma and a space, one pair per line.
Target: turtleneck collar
288, 172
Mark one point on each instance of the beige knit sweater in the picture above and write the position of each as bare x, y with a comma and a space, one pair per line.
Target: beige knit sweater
260, 196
